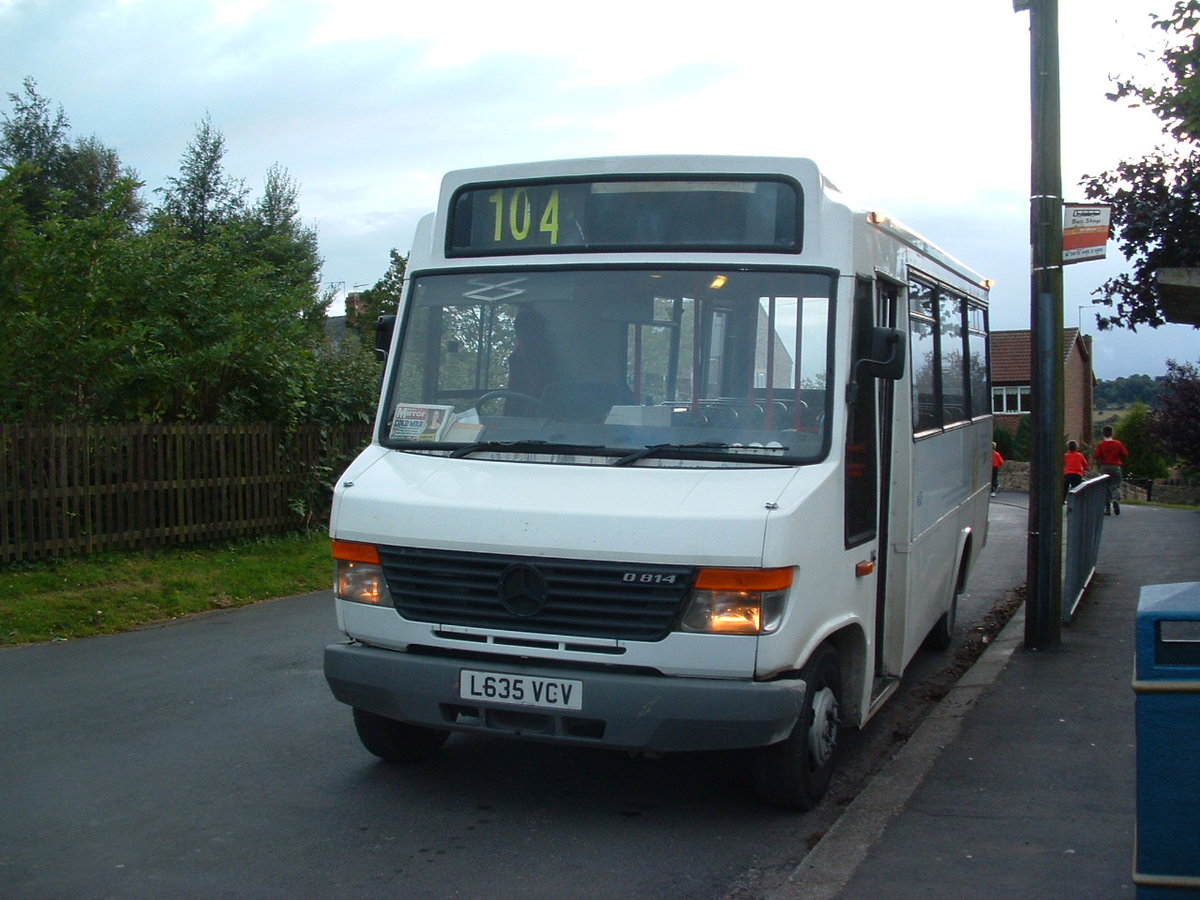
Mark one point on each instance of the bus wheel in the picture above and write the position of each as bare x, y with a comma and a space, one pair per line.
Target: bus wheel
795, 773
941, 636
397, 741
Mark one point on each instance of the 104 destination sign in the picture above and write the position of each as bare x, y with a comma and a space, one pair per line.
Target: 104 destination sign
625, 215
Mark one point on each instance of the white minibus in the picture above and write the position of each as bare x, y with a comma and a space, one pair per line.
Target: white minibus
673, 453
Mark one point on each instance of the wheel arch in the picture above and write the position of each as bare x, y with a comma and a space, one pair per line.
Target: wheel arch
965, 559
850, 644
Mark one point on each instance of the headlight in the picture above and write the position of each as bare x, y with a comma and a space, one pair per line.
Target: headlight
358, 576
737, 601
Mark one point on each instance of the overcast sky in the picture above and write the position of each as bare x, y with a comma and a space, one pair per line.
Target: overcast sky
919, 108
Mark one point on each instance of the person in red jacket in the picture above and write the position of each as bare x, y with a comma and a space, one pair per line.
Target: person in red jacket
1074, 465
997, 462
1110, 454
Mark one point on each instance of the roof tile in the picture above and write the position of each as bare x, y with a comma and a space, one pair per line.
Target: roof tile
1011, 354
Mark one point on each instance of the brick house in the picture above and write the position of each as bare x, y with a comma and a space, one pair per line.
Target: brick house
1011, 378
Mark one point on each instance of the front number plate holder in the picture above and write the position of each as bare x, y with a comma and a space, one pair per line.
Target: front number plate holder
521, 690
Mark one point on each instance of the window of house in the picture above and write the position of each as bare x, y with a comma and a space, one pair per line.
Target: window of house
1010, 399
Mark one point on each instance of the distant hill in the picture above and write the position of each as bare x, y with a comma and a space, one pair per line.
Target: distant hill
1125, 392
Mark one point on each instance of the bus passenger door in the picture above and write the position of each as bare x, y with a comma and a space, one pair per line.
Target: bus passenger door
887, 298
868, 459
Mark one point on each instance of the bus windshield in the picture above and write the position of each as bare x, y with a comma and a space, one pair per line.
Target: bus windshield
610, 364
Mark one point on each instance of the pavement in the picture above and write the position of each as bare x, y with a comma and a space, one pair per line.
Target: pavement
1022, 782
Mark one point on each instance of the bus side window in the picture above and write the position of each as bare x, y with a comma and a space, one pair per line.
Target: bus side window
925, 368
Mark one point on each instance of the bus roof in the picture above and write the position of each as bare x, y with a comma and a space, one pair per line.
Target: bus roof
820, 194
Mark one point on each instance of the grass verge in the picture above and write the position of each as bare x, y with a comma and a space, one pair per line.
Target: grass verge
112, 592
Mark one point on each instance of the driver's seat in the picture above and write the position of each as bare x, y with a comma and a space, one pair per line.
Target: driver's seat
585, 401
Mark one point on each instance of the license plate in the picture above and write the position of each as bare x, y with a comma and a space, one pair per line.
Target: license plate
523, 690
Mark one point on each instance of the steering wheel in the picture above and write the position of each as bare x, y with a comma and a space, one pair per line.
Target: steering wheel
721, 415
517, 395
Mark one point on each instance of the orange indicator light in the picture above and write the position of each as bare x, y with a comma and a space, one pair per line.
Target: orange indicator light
744, 579
353, 551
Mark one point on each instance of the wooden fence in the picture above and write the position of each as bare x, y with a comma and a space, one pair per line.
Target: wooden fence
70, 489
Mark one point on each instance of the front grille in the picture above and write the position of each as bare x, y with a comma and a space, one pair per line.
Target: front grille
615, 601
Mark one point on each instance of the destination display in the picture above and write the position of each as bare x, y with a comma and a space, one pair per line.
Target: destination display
629, 214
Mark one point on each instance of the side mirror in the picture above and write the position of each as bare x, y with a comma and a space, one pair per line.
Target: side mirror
384, 326
887, 355
886, 360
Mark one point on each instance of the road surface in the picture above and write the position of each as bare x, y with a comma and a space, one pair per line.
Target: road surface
206, 758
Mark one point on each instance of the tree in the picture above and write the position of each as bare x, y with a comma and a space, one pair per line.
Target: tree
35, 137
1003, 439
1156, 210
89, 171
34, 146
1156, 200
1175, 423
202, 196
65, 209
381, 300
1023, 439
1145, 459
209, 314
275, 232
223, 299
1177, 99
62, 323
1127, 390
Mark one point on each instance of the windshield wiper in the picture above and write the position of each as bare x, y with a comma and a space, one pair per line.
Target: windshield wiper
523, 447
658, 449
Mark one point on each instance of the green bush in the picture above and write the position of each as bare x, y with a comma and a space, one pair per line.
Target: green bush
1003, 440
1023, 439
1146, 460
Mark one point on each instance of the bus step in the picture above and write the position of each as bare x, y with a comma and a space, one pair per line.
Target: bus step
882, 688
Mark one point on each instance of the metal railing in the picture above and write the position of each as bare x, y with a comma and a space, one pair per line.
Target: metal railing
1084, 526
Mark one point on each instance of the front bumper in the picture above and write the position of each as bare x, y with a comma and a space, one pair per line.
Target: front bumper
620, 710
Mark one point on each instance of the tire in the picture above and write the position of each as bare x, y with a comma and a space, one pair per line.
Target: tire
795, 773
941, 635
395, 741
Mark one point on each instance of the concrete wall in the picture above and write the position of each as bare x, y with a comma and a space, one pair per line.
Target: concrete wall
1182, 494
1014, 476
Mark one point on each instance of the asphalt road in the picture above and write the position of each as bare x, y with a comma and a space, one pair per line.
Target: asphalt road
207, 758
